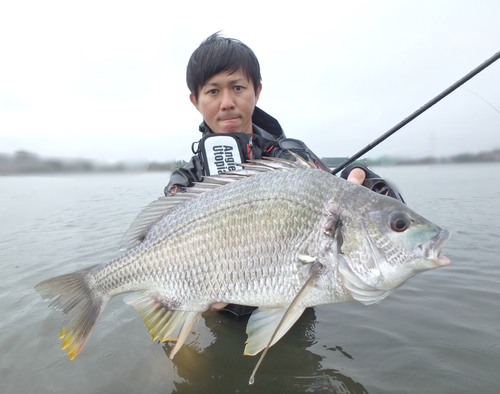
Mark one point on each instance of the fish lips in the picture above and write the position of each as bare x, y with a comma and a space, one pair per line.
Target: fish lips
431, 249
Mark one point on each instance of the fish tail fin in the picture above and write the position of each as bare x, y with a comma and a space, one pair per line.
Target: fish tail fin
82, 308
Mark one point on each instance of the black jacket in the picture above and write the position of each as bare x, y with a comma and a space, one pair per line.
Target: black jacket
267, 140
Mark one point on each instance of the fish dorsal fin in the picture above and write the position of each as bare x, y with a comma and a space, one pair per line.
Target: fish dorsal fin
157, 209
264, 326
163, 323
148, 217
299, 162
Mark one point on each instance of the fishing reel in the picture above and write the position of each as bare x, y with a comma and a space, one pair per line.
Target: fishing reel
381, 186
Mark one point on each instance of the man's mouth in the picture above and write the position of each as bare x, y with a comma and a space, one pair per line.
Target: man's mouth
229, 117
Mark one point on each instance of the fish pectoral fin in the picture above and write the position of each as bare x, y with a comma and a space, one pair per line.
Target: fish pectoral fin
260, 327
306, 259
163, 323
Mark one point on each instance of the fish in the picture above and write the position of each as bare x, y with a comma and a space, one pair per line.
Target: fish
279, 235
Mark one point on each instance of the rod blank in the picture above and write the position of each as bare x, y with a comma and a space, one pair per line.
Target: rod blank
418, 112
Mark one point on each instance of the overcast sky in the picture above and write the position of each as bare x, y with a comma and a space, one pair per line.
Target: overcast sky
106, 79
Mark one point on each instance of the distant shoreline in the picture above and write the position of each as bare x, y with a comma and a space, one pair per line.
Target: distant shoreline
29, 163
492, 156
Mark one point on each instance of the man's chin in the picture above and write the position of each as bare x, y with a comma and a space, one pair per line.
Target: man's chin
230, 130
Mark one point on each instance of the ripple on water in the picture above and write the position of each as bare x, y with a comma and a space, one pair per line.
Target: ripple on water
108, 355
496, 347
414, 340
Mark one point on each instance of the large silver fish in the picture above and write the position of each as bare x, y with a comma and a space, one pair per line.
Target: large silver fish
276, 235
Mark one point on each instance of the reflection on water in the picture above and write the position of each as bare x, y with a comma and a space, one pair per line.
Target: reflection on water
219, 366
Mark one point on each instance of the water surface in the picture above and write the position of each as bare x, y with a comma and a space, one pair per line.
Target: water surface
438, 333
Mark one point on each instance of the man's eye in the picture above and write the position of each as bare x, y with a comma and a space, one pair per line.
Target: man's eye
238, 88
213, 91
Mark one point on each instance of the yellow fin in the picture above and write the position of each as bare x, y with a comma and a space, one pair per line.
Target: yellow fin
81, 307
162, 323
189, 319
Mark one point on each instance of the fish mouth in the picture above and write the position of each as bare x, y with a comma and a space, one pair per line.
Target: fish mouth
431, 250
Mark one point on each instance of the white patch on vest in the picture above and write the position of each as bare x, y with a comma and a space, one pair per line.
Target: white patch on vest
222, 154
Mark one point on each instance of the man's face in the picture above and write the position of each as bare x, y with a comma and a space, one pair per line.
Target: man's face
227, 101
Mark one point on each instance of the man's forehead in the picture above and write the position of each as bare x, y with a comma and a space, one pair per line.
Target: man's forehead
227, 77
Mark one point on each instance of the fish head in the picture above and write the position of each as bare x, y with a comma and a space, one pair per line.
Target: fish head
385, 244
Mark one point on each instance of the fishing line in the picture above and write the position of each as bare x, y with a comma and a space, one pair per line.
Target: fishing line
418, 112
487, 102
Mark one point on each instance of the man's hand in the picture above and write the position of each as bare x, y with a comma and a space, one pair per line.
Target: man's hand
357, 176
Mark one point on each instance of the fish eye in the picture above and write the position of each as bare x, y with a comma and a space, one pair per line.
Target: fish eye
399, 221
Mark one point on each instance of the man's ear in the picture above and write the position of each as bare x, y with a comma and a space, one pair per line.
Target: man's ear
257, 93
193, 100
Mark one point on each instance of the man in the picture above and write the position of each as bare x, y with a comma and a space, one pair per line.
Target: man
223, 76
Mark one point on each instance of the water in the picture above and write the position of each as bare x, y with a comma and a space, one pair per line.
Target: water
438, 333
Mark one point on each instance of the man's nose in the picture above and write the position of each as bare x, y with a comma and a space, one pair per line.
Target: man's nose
227, 101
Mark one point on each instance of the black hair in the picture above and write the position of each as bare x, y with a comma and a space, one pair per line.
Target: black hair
217, 54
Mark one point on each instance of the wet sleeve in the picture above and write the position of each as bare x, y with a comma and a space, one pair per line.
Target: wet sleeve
185, 176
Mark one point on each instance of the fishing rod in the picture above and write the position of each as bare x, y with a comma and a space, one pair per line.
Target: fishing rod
418, 112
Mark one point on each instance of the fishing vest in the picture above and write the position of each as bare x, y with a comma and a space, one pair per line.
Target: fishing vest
220, 153
223, 152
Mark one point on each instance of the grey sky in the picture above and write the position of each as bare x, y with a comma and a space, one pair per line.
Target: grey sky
106, 79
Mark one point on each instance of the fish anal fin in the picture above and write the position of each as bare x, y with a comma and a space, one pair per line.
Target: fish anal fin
163, 323
190, 318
